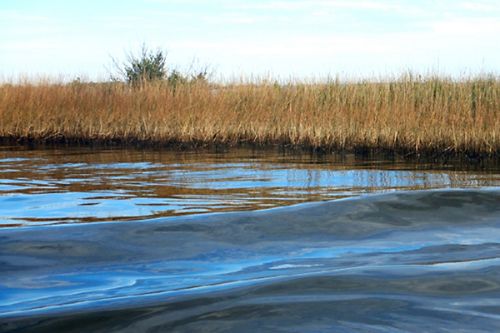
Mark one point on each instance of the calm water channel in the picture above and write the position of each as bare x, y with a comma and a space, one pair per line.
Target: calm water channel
126, 240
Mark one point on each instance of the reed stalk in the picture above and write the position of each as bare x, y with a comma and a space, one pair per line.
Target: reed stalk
410, 114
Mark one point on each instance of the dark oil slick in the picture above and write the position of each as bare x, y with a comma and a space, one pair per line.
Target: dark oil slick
369, 245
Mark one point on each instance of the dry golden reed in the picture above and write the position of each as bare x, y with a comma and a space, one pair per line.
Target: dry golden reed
408, 114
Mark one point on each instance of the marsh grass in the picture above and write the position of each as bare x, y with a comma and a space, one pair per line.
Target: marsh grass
410, 114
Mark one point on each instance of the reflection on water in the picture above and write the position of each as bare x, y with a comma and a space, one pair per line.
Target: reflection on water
423, 261
55, 186
426, 259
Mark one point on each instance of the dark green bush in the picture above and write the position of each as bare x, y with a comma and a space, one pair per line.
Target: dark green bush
148, 66
151, 66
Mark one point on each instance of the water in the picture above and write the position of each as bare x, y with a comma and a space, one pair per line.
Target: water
246, 241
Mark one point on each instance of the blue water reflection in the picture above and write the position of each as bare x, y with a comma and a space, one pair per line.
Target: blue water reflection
84, 185
351, 245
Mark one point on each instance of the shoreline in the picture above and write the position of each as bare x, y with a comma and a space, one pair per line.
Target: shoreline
431, 155
414, 117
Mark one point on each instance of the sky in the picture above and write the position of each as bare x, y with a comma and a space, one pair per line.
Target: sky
236, 38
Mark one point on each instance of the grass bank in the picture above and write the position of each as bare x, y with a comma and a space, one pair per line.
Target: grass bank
407, 115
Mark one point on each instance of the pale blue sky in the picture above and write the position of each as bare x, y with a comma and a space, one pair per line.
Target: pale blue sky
294, 38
